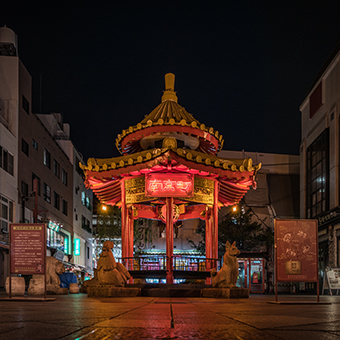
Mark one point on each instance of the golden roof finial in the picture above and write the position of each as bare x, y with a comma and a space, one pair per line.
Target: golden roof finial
169, 93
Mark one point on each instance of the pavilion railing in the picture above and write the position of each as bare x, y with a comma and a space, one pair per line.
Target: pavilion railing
160, 262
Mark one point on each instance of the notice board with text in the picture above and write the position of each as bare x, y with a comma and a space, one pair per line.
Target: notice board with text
27, 248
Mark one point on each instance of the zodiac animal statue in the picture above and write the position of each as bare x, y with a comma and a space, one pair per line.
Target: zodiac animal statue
227, 276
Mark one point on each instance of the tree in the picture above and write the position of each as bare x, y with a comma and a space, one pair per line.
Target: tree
109, 229
249, 234
239, 226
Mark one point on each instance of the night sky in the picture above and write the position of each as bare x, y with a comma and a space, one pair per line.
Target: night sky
242, 67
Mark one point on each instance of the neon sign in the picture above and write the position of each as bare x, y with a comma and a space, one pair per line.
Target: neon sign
77, 246
169, 185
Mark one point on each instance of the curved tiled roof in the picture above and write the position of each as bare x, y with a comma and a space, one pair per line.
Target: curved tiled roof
169, 116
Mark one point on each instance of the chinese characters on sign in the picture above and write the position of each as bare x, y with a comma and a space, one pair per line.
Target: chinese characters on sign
27, 248
296, 250
169, 185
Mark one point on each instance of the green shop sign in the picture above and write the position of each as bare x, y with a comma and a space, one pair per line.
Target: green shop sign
76, 246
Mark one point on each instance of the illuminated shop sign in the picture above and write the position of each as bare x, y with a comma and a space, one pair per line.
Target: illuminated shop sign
169, 185
53, 226
76, 246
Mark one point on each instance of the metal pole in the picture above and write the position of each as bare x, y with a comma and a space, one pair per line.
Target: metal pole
35, 210
10, 263
45, 293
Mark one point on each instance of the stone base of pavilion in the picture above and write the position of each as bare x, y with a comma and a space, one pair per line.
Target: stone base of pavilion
112, 291
227, 293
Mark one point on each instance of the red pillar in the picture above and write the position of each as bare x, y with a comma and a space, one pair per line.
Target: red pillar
123, 221
208, 245
215, 224
169, 239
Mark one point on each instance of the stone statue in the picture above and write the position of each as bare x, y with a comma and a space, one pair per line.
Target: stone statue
109, 272
53, 269
227, 276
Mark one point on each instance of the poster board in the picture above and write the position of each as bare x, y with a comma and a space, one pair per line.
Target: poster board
296, 250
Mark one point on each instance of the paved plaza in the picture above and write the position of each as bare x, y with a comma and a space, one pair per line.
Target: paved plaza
79, 317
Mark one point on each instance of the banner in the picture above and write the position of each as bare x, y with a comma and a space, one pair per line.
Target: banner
296, 250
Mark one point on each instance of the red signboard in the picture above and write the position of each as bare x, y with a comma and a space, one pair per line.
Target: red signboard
169, 185
296, 250
28, 243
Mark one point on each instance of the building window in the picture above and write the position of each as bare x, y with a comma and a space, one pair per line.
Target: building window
34, 176
88, 252
47, 193
6, 161
24, 188
85, 224
64, 177
35, 144
85, 200
47, 158
317, 200
56, 200
6, 213
56, 168
78, 168
25, 104
24, 147
64, 207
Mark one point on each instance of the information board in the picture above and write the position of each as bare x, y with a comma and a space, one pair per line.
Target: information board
27, 248
296, 250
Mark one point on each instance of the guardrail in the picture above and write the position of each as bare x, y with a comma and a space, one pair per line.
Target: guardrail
161, 262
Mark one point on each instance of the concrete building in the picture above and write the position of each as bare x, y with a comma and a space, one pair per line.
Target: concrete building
319, 159
82, 198
38, 147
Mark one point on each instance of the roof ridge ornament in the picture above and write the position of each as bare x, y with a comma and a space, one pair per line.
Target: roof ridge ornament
169, 93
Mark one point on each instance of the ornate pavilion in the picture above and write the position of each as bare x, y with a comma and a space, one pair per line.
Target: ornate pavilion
169, 170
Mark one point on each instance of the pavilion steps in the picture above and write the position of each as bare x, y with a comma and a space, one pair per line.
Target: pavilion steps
170, 290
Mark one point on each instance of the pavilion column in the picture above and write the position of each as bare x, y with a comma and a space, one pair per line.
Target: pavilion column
208, 245
125, 230
131, 242
169, 239
215, 225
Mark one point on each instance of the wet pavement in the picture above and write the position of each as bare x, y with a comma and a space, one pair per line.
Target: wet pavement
79, 317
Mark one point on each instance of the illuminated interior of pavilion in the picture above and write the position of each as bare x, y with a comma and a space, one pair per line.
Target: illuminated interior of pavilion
169, 170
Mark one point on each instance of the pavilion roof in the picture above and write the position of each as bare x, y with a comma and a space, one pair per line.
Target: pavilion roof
235, 176
169, 116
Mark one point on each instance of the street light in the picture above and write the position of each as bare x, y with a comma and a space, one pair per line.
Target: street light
104, 207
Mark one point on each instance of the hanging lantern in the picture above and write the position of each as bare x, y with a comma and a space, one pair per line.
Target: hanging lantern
175, 215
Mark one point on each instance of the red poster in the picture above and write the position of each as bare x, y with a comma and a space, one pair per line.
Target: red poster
296, 250
169, 185
27, 248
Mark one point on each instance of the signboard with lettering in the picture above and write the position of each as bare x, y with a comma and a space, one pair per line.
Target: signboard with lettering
296, 250
77, 246
169, 185
27, 248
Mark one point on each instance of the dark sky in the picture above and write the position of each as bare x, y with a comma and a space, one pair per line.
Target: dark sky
242, 67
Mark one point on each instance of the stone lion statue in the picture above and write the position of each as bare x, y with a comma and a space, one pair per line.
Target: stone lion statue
109, 272
227, 276
53, 269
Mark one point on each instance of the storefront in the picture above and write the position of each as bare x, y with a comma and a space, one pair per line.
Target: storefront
57, 239
252, 274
